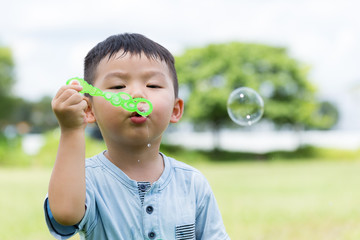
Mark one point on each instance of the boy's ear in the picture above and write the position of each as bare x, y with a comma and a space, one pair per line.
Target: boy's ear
89, 114
177, 110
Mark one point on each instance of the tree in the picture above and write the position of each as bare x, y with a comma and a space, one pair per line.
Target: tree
211, 73
42, 117
14, 110
7, 81
6, 71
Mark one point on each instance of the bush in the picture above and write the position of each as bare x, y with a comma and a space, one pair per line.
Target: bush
11, 153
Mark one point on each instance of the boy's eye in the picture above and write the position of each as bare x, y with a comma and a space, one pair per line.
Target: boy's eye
118, 87
153, 86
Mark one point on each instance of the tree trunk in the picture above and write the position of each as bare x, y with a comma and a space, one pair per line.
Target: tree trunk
216, 137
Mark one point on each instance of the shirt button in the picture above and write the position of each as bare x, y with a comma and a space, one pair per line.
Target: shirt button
151, 235
142, 187
149, 209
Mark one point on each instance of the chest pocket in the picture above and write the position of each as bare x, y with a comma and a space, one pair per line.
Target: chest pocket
185, 232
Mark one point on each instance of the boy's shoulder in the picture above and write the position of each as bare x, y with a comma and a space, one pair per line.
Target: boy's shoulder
184, 170
94, 161
181, 166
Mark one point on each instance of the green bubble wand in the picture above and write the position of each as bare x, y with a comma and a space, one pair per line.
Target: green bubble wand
117, 99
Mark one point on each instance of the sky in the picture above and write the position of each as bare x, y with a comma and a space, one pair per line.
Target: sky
49, 39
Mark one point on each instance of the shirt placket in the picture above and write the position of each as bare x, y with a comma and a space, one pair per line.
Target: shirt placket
150, 214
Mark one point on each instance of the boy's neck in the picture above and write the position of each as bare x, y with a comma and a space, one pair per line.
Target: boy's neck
139, 163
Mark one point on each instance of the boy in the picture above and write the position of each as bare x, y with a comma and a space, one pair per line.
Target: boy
130, 191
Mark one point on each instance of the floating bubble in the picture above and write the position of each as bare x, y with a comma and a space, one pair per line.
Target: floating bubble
245, 106
143, 106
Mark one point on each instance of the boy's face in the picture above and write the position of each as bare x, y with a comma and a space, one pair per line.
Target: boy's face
140, 77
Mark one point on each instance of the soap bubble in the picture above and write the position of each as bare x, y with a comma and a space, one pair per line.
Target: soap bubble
142, 107
245, 106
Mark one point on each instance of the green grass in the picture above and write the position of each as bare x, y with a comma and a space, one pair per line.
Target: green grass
22, 192
288, 200
260, 200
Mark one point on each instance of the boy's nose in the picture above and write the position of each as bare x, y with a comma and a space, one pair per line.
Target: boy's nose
137, 92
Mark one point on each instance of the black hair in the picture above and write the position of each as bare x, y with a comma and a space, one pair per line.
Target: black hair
132, 43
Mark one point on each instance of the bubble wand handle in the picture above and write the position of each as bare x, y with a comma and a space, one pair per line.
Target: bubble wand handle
117, 99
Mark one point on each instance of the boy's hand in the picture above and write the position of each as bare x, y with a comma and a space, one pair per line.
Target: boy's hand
70, 107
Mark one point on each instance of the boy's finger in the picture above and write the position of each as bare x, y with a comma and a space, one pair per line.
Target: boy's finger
76, 85
74, 82
68, 96
83, 105
71, 97
77, 88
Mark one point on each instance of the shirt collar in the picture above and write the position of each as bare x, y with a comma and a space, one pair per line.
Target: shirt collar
160, 184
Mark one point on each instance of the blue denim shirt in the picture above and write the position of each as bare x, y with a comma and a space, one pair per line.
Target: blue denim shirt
180, 205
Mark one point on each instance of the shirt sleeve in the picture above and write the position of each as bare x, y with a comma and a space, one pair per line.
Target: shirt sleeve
88, 223
57, 230
209, 223
85, 226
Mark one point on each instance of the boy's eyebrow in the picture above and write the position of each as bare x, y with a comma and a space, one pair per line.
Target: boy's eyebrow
145, 75
153, 73
117, 74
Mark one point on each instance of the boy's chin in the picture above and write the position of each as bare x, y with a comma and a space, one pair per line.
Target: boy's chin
139, 141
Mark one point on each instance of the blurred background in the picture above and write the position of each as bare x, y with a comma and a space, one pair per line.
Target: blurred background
293, 175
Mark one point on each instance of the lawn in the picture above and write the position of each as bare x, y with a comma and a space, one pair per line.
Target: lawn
262, 200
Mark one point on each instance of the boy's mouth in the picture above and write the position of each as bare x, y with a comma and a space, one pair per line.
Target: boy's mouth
137, 118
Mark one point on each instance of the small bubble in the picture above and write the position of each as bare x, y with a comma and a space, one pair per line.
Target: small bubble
148, 145
138, 160
245, 106
143, 107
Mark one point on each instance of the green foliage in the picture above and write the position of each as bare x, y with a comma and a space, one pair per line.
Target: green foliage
6, 83
37, 116
307, 153
47, 154
211, 73
14, 110
41, 116
325, 116
7, 107
12, 154
6, 71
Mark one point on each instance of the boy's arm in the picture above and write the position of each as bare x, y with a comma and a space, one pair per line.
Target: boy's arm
67, 187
